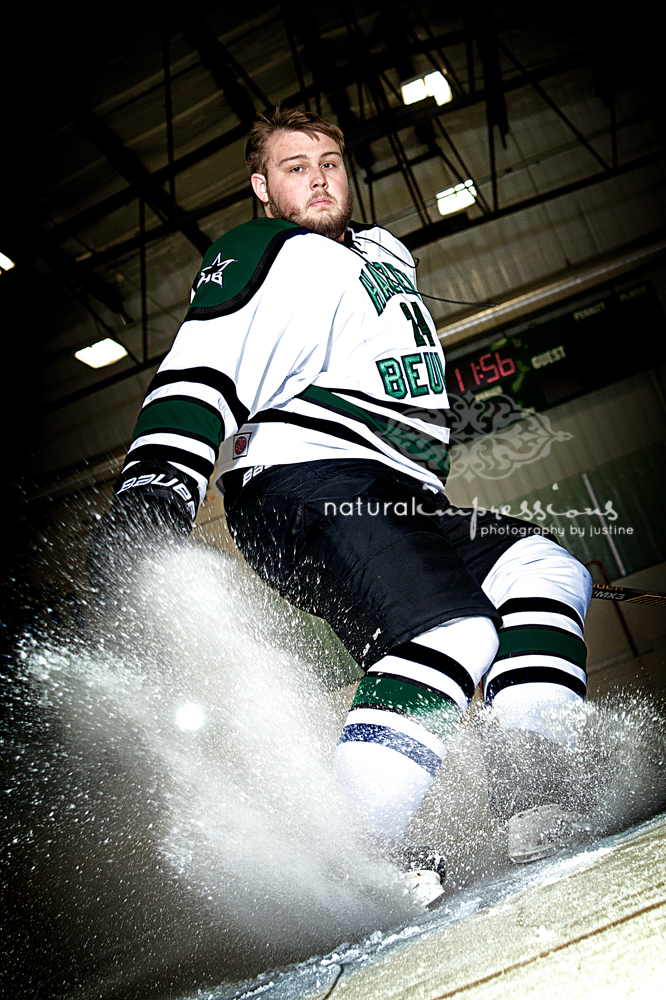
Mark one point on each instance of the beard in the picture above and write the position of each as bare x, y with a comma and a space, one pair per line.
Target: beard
331, 223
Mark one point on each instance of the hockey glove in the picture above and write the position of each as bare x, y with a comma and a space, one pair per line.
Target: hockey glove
154, 506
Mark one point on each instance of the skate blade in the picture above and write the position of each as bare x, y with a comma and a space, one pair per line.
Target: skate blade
524, 857
424, 887
541, 832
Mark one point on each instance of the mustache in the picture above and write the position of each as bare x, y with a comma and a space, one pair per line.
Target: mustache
325, 194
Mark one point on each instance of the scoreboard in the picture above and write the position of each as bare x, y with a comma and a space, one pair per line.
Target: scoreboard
585, 344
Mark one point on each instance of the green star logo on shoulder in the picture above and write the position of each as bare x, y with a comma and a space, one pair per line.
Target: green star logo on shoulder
255, 245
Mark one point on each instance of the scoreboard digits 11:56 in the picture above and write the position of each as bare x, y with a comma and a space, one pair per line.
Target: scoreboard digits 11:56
488, 368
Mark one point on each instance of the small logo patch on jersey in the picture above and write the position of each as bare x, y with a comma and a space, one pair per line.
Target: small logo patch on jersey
214, 271
241, 444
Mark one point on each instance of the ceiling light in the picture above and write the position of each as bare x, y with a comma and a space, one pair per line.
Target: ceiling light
456, 198
104, 352
5, 263
431, 85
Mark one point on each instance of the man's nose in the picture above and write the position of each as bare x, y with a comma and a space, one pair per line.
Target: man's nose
318, 178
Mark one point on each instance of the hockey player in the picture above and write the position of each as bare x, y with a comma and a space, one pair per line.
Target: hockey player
309, 356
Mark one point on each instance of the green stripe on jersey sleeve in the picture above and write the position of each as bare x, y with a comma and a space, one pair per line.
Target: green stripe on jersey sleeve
178, 415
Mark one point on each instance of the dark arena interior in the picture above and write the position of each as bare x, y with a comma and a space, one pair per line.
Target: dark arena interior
518, 151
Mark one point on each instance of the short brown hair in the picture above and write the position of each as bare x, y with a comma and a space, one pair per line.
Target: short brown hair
284, 120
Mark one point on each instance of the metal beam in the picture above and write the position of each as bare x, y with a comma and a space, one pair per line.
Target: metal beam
128, 246
356, 136
105, 383
459, 223
220, 65
144, 185
168, 105
81, 274
407, 116
362, 58
556, 108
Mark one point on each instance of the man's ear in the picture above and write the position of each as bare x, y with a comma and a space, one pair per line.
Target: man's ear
259, 187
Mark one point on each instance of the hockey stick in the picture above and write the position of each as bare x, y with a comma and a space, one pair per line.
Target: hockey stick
628, 594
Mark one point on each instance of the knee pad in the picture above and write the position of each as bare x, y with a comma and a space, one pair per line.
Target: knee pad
542, 593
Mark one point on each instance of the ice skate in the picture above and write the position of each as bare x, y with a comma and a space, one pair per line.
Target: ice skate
543, 831
423, 874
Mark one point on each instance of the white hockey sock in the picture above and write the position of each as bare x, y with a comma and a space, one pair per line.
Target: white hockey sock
404, 712
542, 593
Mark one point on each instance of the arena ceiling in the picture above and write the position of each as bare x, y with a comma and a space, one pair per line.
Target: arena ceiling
127, 138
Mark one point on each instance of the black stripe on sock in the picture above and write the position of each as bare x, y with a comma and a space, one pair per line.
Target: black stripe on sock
517, 604
542, 628
366, 732
416, 653
408, 680
534, 675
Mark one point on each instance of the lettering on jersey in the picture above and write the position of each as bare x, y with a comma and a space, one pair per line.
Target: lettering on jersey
215, 271
420, 373
382, 282
422, 332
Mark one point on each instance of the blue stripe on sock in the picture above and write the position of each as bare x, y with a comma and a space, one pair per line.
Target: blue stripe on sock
366, 732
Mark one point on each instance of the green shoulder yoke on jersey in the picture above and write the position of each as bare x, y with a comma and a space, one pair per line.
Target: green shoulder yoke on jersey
236, 265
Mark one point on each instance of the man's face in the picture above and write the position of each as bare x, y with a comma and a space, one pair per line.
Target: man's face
306, 183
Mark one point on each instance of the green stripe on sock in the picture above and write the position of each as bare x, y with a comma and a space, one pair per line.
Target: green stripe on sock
541, 640
175, 415
436, 713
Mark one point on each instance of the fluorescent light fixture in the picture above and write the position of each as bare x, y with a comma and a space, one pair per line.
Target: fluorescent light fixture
456, 198
5, 263
431, 85
104, 352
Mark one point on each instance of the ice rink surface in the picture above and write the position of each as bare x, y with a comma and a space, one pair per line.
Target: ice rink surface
590, 925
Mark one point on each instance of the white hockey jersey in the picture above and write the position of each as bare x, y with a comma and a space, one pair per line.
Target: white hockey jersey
297, 348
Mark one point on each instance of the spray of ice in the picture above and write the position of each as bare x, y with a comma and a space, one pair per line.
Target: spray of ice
189, 753
613, 776
169, 781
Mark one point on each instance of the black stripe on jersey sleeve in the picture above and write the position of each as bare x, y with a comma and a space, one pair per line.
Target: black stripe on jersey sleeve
429, 452
211, 377
165, 453
314, 424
